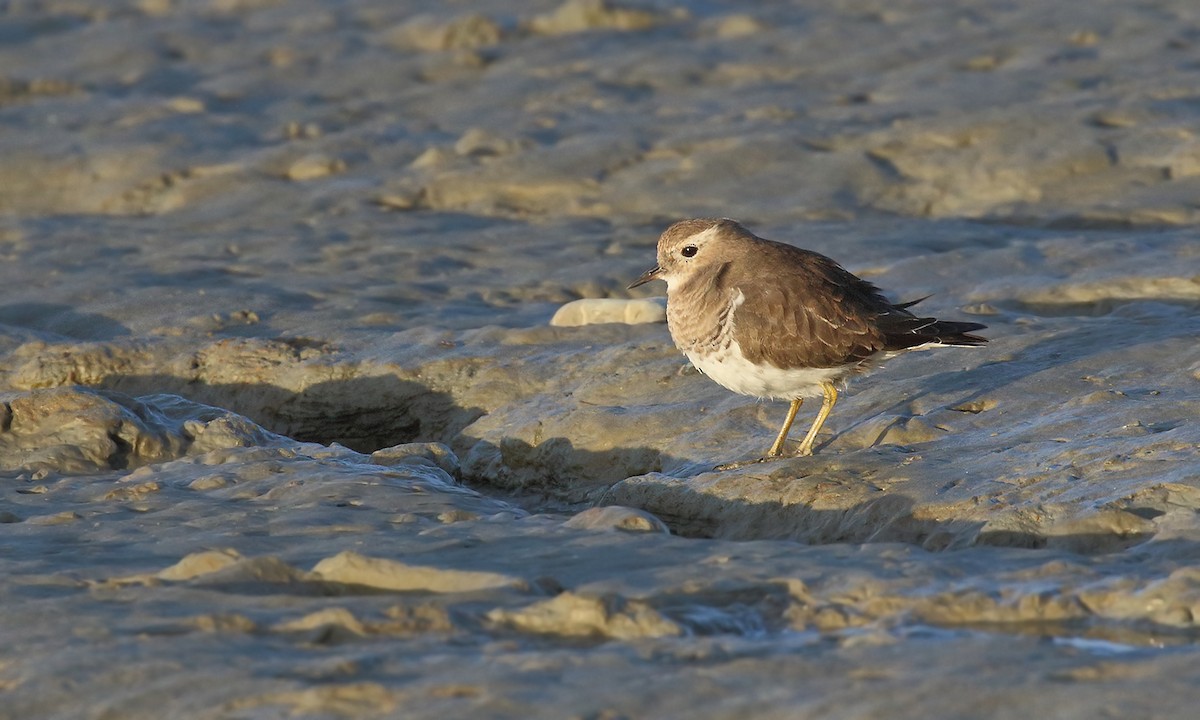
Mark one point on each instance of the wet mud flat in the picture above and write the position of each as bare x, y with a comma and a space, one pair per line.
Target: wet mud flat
286, 428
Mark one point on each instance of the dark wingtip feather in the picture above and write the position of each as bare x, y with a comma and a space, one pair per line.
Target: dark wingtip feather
964, 339
942, 332
910, 303
952, 332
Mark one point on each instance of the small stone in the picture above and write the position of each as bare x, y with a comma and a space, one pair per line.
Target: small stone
736, 26
200, 563
433, 35
405, 620
1083, 38
208, 482
455, 516
616, 517
311, 167
572, 615
478, 142
1114, 119
353, 569
325, 626
975, 406
133, 492
405, 518
186, 105
62, 518
231, 622
434, 454
984, 63
431, 158
582, 15
592, 311
398, 201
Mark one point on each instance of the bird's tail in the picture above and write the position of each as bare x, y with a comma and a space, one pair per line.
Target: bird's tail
906, 331
949, 332
903, 330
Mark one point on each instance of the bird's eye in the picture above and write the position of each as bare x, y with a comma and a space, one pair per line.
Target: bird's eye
688, 251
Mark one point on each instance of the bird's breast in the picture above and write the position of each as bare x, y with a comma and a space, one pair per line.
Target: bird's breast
702, 327
701, 319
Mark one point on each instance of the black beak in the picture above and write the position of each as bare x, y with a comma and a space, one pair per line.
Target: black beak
651, 274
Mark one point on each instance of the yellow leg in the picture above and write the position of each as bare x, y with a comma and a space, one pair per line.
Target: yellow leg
777, 449
831, 397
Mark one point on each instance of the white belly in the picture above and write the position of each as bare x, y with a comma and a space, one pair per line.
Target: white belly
730, 369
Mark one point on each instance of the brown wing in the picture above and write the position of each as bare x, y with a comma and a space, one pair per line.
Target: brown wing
805, 310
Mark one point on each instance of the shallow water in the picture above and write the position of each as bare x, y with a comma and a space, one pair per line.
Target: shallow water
287, 431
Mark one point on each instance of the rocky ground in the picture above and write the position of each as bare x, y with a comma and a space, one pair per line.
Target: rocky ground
297, 416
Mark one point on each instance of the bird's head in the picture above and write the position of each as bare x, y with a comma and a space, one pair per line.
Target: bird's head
691, 245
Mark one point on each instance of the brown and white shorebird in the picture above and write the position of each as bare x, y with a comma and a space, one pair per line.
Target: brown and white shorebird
775, 321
